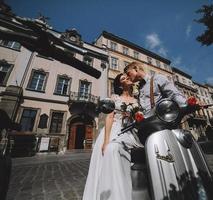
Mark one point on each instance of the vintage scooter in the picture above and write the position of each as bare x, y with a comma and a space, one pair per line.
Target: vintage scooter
174, 165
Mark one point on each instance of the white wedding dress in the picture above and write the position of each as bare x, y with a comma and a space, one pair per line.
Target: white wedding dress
109, 176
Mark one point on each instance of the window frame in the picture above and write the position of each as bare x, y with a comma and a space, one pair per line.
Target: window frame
3, 62
68, 87
149, 60
113, 64
51, 118
86, 58
13, 43
113, 46
31, 78
125, 50
89, 89
136, 53
35, 119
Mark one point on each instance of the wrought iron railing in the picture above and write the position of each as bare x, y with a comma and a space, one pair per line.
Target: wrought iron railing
86, 97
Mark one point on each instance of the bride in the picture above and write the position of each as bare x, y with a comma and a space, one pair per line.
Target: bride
109, 176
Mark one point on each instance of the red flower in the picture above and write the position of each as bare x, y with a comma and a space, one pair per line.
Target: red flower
192, 101
139, 116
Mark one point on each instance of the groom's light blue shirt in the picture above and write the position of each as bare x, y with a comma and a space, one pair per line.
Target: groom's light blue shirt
167, 87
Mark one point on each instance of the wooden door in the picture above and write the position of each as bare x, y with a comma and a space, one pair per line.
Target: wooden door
72, 136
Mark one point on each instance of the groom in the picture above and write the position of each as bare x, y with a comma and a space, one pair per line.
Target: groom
152, 89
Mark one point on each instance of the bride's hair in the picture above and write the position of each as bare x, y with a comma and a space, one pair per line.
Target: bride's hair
118, 89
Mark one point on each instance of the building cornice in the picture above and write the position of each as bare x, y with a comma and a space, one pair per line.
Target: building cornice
134, 46
181, 72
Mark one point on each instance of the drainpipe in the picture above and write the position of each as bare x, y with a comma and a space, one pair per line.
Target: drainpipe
27, 69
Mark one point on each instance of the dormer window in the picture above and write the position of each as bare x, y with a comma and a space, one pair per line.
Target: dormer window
149, 60
136, 55
113, 46
158, 63
73, 38
88, 60
125, 51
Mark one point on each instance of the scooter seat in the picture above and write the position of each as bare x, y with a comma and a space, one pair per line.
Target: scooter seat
138, 156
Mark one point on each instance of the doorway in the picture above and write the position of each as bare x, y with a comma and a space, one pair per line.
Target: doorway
80, 137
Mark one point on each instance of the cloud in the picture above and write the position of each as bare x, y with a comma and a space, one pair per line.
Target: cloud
209, 80
154, 43
188, 30
152, 40
162, 51
177, 61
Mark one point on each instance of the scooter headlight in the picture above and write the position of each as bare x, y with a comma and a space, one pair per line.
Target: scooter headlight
168, 111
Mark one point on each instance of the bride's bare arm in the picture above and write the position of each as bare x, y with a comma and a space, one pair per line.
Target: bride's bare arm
108, 126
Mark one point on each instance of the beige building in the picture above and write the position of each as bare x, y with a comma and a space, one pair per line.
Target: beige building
121, 52
185, 84
210, 101
51, 100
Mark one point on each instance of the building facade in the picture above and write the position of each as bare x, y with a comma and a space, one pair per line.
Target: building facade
184, 83
56, 103
49, 99
122, 52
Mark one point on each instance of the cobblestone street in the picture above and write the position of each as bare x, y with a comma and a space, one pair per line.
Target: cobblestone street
52, 177
49, 177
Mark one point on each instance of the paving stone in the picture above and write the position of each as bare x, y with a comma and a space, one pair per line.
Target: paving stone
58, 177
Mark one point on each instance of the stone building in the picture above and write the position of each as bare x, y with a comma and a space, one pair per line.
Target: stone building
121, 52
49, 99
184, 82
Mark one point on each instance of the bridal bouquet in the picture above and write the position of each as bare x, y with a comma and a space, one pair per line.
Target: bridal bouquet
130, 111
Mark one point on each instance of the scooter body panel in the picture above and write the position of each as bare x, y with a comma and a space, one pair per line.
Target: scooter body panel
177, 167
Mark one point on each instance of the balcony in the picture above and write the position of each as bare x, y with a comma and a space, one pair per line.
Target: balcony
82, 103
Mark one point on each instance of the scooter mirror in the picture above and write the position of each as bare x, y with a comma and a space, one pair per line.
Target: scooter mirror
106, 106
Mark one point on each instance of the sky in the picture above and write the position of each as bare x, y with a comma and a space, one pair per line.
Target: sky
165, 27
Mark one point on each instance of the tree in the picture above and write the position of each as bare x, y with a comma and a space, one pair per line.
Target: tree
207, 19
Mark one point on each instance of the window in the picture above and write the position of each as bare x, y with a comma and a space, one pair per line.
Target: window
113, 46
125, 63
183, 80
5, 70
111, 87
166, 67
114, 63
125, 51
136, 55
28, 119
56, 122
37, 81
84, 89
62, 85
43, 121
88, 60
149, 60
158, 63
10, 44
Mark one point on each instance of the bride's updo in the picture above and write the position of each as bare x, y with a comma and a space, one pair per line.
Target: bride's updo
118, 89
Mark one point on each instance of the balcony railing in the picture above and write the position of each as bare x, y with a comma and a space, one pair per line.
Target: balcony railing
85, 97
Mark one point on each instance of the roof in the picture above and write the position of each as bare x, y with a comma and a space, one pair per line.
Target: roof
134, 46
181, 72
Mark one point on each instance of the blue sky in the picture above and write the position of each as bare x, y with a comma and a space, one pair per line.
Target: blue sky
163, 26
